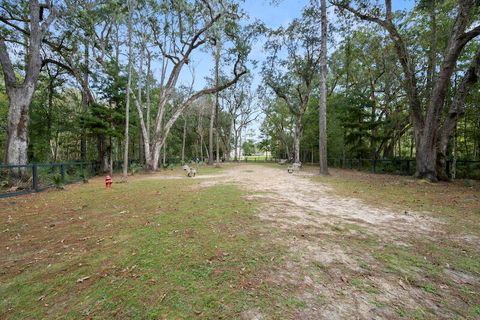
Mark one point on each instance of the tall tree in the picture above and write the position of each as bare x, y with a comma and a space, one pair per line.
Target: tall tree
241, 112
322, 107
426, 118
215, 105
185, 27
291, 77
20, 91
130, 7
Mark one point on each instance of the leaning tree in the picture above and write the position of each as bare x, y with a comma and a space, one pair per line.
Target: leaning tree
433, 118
179, 30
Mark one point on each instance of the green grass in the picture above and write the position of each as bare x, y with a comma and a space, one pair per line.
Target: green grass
256, 158
169, 253
476, 311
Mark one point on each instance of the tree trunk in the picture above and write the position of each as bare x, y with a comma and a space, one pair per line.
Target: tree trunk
235, 145
240, 147
184, 138
457, 108
426, 159
210, 134
21, 94
297, 136
85, 103
129, 83
153, 157
217, 65
455, 156
201, 147
164, 154
322, 118
17, 128
51, 87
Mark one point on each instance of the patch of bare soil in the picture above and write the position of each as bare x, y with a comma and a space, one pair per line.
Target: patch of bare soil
331, 276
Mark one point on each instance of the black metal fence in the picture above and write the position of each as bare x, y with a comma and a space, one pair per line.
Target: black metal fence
22, 179
464, 169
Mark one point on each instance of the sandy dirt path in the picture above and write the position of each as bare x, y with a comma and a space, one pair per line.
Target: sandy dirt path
331, 278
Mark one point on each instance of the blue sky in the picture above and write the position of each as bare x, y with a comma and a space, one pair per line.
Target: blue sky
273, 15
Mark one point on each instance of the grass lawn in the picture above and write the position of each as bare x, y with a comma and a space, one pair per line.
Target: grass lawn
149, 249
164, 246
256, 158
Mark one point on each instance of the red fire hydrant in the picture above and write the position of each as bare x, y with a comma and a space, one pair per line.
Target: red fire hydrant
108, 182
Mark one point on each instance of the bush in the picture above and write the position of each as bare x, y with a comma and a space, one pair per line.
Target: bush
135, 167
58, 181
468, 183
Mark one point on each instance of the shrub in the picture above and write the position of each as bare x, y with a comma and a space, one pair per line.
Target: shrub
135, 167
58, 181
468, 183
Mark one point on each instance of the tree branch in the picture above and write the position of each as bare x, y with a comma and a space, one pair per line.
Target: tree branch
8, 72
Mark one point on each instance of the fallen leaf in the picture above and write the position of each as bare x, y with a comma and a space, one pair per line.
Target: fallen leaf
83, 279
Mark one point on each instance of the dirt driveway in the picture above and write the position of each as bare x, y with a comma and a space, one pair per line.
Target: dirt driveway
348, 260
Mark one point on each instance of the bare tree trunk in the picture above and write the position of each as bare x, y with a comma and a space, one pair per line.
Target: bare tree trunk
184, 138
373, 118
322, 117
206, 150
455, 155
235, 145
240, 147
210, 134
297, 136
147, 89
164, 154
85, 103
129, 83
432, 54
218, 49
201, 147
17, 129
51, 87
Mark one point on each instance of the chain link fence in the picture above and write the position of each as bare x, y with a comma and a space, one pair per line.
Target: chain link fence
464, 169
22, 179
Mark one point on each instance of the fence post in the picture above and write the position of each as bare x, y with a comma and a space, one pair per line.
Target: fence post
374, 165
62, 172
81, 171
35, 177
408, 167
